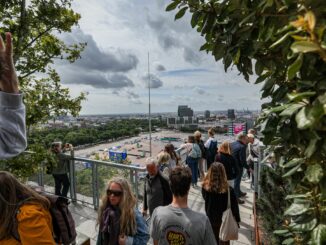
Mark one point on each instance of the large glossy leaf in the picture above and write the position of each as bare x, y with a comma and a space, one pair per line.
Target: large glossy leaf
314, 173
311, 147
304, 47
300, 96
291, 171
305, 226
181, 13
279, 232
291, 109
288, 241
297, 209
294, 67
319, 235
288, 197
294, 162
302, 120
172, 5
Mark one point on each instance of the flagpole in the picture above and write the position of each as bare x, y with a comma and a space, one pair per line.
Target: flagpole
149, 110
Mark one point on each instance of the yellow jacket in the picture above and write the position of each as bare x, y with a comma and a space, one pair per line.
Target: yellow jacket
34, 226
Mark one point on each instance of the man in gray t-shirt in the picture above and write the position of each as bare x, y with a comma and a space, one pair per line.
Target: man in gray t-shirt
176, 223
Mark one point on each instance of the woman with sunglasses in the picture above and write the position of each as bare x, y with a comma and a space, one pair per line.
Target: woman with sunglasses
120, 223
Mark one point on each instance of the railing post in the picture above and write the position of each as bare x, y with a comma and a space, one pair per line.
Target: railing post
72, 177
260, 159
256, 177
136, 187
40, 179
95, 186
131, 176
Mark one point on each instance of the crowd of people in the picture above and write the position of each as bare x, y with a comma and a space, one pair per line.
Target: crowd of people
26, 216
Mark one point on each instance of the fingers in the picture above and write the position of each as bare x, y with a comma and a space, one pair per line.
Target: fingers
8, 44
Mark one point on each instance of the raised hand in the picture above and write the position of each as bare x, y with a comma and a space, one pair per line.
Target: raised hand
8, 76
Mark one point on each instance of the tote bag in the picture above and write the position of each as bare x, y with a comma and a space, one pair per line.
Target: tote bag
229, 227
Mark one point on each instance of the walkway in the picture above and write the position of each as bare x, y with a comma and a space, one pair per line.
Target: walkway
85, 217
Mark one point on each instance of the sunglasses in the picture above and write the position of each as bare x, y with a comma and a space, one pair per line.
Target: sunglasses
114, 193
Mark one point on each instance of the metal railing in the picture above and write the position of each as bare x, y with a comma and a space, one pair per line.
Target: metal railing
94, 170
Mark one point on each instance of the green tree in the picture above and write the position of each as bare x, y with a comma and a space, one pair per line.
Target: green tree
284, 43
34, 25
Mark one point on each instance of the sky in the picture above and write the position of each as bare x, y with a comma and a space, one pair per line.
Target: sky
113, 68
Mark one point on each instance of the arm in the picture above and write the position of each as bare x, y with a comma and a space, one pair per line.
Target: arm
209, 238
207, 143
12, 110
145, 207
34, 226
243, 157
167, 194
142, 236
234, 206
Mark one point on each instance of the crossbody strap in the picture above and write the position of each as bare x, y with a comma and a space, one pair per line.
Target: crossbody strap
229, 199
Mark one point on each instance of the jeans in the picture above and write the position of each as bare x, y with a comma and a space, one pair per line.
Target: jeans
62, 184
193, 165
237, 182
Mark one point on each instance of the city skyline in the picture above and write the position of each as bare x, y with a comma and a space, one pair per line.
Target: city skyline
113, 68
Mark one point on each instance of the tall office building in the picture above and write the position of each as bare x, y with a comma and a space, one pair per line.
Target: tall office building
207, 114
231, 114
185, 111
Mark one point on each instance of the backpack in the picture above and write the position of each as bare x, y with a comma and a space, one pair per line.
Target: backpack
195, 152
63, 224
211, 152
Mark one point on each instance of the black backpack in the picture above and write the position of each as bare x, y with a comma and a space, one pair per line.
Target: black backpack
63, 224
211, 152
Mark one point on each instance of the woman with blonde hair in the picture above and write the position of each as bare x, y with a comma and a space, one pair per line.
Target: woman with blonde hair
224, 156
202, 159
163, 160
25, 215
120, 223
215, 190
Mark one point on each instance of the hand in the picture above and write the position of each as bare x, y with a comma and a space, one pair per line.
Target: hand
8, 76
144, 213
122, 239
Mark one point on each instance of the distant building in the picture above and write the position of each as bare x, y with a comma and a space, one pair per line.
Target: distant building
181, 122
185, 111
231, 114
207, 114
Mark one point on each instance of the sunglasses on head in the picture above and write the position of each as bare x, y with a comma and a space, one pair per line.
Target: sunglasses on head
114, 193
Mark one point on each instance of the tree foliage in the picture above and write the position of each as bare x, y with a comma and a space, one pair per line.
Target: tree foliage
284, 43
35, 26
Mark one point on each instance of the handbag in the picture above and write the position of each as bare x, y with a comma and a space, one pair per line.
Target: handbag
229, 227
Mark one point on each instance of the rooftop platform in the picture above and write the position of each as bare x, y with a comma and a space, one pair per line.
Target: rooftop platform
85, 217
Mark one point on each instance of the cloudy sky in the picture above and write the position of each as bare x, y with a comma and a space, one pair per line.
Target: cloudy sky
114, 66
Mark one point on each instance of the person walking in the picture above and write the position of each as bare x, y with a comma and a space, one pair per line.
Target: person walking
157, 190
25, 215
177, 223
238, 151
193, 155
120, 223
60, 171
211, 146
174, 158
215, 193
224, 156
202, 159
12, 109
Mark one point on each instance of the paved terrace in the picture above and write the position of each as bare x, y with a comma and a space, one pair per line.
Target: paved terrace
85, 217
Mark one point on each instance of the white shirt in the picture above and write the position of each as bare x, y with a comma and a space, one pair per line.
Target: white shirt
12, 125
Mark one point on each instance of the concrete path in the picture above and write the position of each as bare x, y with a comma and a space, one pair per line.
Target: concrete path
85, 217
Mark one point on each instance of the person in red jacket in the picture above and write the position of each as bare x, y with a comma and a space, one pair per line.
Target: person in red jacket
27, 219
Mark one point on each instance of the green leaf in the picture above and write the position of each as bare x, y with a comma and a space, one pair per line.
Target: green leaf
195, 18
311, 148
303, 122
294, 67
259, 67
305, 226
279, 232
319, 235
292, 171
237, 57
288, 197
294, 162
297, 209
288, 241
314, 173
181, 13
304, 47
291, 109
300, 96
172, 5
